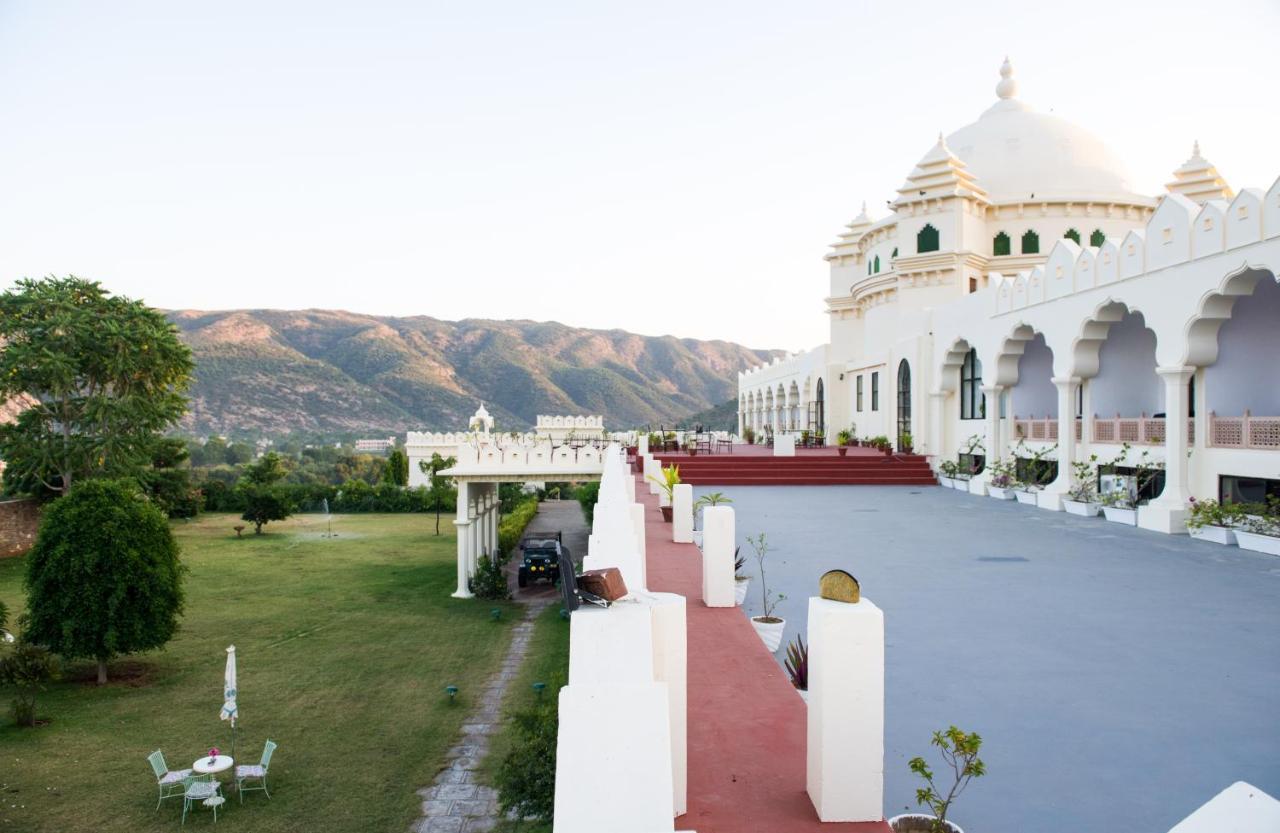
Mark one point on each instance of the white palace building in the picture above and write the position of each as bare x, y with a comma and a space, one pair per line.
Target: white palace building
1021, 295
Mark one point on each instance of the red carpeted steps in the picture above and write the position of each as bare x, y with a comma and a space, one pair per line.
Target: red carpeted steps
806, 469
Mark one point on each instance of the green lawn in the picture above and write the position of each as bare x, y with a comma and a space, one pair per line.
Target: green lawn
344, 648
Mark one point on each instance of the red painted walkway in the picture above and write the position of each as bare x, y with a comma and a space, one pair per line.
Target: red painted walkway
756, 466
746, 722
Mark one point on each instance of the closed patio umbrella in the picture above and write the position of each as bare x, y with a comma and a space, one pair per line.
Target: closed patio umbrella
230, 711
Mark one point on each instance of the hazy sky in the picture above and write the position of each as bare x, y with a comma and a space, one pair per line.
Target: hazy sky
660, 167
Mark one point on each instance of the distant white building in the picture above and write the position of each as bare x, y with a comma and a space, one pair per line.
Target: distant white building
1022, 296
376, 446
562, 427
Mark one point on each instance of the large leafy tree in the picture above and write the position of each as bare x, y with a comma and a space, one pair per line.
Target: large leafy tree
264, 500
104, 376
103, 578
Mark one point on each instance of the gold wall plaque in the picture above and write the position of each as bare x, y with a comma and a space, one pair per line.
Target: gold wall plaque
839, 586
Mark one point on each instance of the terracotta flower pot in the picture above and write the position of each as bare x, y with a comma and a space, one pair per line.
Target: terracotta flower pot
842, 451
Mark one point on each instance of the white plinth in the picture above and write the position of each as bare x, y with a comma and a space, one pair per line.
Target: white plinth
670, 666
682, 514
631, 486
718, 535
637, 523
784, 445
613, 759
642, 444
613, 543
652, 474
612, 645
846, 710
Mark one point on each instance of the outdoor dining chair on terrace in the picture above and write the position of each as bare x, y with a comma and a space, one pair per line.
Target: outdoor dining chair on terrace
201, 789
169, 782
255, 772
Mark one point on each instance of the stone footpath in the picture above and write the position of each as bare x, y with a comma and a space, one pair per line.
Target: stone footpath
457, 802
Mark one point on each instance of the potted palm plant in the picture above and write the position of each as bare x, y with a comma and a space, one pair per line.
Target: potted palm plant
709, 499
959, 751
906, 443
843, 439
1083, 498
741, 583
667, 483
768, 627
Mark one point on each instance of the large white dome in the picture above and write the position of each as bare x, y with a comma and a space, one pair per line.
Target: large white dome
1016, 153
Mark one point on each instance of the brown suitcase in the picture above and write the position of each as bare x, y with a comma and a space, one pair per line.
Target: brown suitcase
606, 583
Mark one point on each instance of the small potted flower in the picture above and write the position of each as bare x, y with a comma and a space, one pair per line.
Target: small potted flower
213, 755
1082, 499
741, 583
768, 627
1210, 520
959, 751
947, 470
1000, 486
1027, 491
1120, 504
843, 439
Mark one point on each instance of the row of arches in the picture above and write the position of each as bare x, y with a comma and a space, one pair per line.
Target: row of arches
785, 407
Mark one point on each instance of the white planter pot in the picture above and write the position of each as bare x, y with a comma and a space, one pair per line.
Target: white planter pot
922, 822
697, 538
770, 633
740, 588
1026, 497
1216, 534
999, 494
946, 482
1084, 510
1117, 515
960, 484
1258, 543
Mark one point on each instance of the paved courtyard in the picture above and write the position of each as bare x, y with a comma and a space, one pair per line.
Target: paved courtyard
1119, 677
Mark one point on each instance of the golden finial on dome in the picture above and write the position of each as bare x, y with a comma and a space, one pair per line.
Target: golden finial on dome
1008, 86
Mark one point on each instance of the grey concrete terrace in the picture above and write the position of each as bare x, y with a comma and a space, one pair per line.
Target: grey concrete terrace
1119, 678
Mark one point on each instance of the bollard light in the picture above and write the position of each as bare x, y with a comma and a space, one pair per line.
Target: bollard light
539, 688
452, 691
496, 613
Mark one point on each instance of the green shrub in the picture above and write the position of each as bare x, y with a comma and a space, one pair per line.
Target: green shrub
526, 778
103, 578
587, 495
490, 580
263, 504
511, 527
28, 669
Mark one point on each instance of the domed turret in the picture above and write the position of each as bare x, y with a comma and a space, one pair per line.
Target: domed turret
1018, 154
480, 420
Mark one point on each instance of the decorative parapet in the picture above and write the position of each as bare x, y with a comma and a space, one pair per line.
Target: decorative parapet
1178, 231
546, 422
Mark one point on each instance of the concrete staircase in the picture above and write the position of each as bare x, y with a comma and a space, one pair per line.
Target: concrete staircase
803, 470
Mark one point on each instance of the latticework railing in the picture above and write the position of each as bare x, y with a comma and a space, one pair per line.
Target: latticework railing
1246, 431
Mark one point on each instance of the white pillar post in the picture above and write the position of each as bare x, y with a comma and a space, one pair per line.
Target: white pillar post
682, 514
461, 525
995, 442
1054, 493
937, 425
718, 537
637, 523
1086, 419
1168, 512
845, 755
473, 537
670, 666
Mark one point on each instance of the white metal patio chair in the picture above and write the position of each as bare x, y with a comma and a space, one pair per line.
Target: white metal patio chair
169, 782
255, 772
199, 789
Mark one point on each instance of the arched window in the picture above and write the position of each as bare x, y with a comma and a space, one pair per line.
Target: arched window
973, 403
877, 264
1002, 245
927, 240
1097, 238
1031, 243
904, 405
1072, 235
868, 267
894, 256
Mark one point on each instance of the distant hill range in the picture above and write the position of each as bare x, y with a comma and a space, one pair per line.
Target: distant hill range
273, 372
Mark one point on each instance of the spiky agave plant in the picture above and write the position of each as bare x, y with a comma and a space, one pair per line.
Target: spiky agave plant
798, 663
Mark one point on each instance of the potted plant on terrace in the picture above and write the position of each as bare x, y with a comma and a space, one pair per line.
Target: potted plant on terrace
1214, 521
843, 439
797, 665
882, 443
1260, 531
960, 752
709, 499
1120, 504
906, 444
667, 484
1000, 486
749, 434
768, 627
741, 583
1026, 490
1082, 499
947, 470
